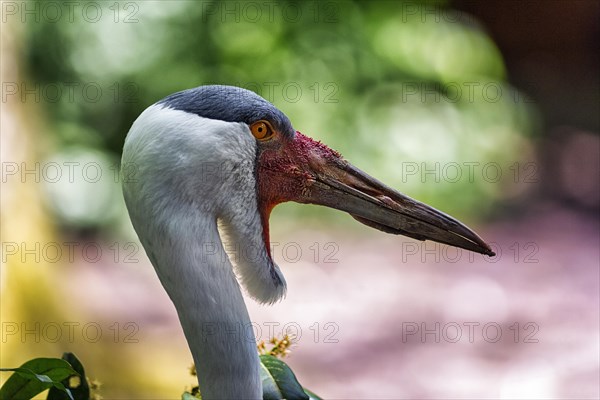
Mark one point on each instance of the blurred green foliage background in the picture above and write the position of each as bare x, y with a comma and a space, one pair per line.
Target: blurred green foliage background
399, 88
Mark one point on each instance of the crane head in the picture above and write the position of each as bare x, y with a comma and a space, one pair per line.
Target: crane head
267, 163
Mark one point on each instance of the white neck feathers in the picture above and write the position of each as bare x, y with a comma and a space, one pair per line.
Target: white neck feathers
185, 174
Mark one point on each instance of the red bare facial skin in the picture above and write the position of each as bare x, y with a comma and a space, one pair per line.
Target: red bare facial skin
287, 171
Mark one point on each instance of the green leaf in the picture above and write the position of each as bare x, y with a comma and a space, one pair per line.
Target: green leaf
34, 377
77, 383
311, 395
279, 382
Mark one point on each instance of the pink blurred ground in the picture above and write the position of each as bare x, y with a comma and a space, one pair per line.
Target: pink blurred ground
377, 302
544, 298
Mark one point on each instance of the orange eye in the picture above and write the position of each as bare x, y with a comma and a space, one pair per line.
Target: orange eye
262, 130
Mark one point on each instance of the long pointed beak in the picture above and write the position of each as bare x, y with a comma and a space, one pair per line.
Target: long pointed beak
327, 179
344, 187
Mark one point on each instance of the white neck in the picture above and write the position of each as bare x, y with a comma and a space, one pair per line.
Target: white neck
198, 276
